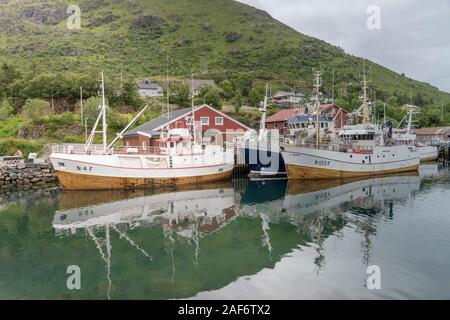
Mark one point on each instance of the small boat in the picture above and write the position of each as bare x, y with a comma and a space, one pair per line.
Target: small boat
261, 150
179, 159
427, 153
359, 150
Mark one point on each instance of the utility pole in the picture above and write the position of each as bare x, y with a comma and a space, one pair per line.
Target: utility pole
85, 128
81, 103
332, 89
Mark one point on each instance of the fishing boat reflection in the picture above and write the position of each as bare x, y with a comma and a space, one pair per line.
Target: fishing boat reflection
202, 238
208, 207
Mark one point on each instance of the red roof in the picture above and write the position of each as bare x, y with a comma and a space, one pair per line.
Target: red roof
432, 131
284, 115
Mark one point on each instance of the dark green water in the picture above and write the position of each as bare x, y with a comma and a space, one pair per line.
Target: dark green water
264, 240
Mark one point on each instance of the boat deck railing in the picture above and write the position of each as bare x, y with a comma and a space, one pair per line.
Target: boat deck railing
80, 149
98, 150
334, 147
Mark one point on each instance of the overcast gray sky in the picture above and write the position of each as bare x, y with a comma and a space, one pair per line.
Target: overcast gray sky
414, 37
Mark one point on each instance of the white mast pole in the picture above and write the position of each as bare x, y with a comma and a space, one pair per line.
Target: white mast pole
193, 110
120, 135
262, 127
317, 85
104, 114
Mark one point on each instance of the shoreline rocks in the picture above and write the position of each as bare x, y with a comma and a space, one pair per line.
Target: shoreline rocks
26, 175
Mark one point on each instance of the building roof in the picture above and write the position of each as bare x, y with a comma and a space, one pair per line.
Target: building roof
145, 84
153, 126
199, 83
284, 115
288, 94
432, 131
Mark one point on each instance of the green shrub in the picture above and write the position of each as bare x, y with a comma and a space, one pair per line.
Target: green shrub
10, 146
6, 109
33, 108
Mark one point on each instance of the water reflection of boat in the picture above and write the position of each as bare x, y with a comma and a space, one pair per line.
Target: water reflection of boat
311, 197
209, 206
308, 197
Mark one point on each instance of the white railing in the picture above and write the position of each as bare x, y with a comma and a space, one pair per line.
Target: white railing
98, 150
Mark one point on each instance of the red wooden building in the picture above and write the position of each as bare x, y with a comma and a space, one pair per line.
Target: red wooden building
279, 119
212, 122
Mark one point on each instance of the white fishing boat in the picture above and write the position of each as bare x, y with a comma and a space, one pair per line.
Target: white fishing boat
408, 137
359, 150
180, 158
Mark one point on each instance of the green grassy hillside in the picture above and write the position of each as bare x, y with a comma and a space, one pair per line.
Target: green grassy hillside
209, 36
221, 39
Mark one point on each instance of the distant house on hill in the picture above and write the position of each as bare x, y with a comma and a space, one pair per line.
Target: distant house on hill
149, 89
433, 135
199, 84
287, 100
212, 121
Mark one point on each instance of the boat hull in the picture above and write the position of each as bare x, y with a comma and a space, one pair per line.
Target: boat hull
306, 163
259, 165
77, 181
96, 172
428, 153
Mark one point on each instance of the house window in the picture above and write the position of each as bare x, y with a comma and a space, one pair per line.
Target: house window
144, 145
205, 121
219, 121
285, 125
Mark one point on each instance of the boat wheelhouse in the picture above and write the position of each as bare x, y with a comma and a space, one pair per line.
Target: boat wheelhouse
307, 123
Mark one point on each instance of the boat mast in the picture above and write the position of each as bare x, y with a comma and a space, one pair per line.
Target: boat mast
409, 126
366, 116
193, 110
262, 127
317, 85
104, 129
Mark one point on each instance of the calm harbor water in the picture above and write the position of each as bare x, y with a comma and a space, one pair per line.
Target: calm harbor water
246, 240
